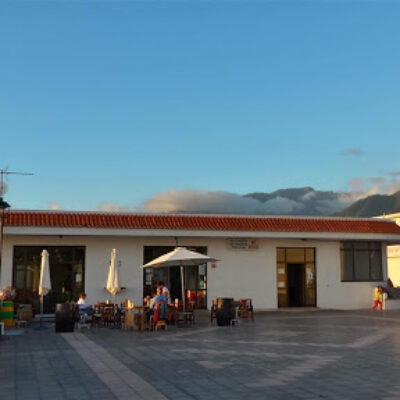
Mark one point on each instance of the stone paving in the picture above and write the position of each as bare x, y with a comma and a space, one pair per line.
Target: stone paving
282, 355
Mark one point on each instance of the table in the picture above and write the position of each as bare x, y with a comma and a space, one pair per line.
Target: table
135, 318
185, 317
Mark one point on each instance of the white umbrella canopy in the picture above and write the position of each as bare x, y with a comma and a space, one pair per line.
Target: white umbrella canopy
180, 256
44, 280
113, 279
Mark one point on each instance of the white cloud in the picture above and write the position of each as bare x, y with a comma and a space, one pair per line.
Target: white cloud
54, 206
363, 187
197, 201
112, 207
353, 151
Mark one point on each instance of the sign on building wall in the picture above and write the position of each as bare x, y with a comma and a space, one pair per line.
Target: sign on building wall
242, 244
393, 251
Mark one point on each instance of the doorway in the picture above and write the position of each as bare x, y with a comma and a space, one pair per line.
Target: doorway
296, 278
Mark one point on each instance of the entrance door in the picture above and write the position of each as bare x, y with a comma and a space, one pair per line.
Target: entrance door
295, 277
296, 283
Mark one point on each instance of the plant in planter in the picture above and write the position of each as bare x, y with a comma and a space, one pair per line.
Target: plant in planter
7, 293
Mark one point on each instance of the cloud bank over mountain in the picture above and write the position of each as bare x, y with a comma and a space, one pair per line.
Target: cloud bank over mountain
292, 201
303, 201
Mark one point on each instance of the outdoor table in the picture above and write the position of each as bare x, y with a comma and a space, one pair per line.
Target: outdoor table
185, 317
135, 318
45, 317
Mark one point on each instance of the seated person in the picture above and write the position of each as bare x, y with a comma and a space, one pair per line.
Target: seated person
83, 307
155, 303
164, 290
151, 303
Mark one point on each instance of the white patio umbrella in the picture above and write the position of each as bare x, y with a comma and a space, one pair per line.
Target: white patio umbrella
112, 280
44, 280
181, 257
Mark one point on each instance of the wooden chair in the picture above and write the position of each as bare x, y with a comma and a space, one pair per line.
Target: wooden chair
108, 315
97, 313
246, 309
161, 325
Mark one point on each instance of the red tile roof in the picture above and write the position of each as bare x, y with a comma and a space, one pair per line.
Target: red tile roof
71, 219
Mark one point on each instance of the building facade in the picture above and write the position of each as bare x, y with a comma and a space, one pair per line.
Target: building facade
393, 253
329, 263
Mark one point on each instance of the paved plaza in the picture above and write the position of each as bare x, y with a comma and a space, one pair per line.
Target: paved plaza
281, 355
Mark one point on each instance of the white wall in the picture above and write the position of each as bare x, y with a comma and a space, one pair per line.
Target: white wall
331, 292
239, 274
394, 264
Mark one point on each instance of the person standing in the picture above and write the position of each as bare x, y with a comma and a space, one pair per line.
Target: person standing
378, 298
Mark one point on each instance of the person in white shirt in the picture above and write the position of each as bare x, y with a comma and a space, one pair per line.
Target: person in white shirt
164, 291
82, 302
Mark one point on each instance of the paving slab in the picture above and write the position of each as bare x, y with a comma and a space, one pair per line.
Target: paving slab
281, 355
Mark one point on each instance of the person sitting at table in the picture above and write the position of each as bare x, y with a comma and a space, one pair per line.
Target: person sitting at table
155, 301
82, 302
164, 291
85, 314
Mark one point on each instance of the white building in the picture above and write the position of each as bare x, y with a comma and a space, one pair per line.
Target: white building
330, 263
393, 253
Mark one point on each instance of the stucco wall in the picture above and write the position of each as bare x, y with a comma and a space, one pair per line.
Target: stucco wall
239, 273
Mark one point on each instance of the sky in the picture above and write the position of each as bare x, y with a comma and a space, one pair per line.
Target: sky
115, 104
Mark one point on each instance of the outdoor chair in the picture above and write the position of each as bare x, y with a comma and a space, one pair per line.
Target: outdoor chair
245, 309
85, 317
161, 325
236, 320
24, 314
97, 313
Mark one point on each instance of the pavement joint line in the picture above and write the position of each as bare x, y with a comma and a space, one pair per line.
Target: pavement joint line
293, 372
189, 332
251, 354
357, 344
122, 381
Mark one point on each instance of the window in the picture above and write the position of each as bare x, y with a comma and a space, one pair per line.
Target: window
361, 261
67, 274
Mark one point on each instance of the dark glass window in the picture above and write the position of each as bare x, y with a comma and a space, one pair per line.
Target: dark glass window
361, 261
67, 274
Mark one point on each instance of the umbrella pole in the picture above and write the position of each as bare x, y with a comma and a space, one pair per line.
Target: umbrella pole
41, 314
183, 287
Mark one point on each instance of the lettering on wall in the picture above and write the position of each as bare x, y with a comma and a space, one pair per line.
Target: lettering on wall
242, 244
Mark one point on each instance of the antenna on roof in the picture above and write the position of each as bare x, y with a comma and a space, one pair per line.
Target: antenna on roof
3, 172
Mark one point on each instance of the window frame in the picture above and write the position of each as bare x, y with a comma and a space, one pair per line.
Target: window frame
351, 248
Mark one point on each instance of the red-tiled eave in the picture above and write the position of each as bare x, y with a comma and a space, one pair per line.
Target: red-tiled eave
48, 219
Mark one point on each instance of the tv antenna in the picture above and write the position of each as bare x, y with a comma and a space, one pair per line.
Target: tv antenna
3, 172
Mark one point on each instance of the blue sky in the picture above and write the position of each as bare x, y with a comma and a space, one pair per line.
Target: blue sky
117, 101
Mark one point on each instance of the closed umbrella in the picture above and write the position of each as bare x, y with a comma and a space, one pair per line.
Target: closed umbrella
112, 280
44, 280
180, 256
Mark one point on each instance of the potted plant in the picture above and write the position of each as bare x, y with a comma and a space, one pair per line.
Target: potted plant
7, 295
